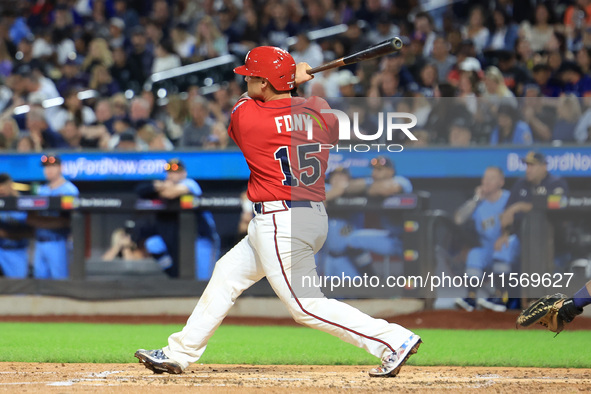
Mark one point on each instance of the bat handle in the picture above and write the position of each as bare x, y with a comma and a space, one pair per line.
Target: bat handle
334, 64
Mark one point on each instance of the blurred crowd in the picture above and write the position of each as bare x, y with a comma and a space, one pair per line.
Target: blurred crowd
73, 72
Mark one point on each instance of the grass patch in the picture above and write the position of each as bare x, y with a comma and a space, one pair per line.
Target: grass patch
116, 343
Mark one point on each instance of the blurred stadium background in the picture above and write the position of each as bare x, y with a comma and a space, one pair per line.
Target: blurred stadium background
119, 88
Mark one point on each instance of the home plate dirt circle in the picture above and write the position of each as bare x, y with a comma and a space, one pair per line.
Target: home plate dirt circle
131, 378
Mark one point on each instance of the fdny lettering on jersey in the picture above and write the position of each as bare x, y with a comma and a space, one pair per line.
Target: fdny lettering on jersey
293, 122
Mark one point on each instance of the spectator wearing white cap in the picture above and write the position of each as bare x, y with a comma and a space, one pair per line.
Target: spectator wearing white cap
347, 81
129, 16
116, 32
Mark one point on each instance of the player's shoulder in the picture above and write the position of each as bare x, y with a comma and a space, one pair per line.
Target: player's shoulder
70, 188
554, 178
404, 182
65, 189
240, 103
401, 178
192, 185
190, 182
556, 183
316, 102
243, 102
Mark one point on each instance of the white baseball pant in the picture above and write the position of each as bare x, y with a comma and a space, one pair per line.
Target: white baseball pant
281, 245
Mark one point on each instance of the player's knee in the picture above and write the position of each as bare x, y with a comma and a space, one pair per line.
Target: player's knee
301, 311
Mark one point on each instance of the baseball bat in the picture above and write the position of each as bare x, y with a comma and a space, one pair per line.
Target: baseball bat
381, 49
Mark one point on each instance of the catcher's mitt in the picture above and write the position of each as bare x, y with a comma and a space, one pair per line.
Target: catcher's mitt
551, 311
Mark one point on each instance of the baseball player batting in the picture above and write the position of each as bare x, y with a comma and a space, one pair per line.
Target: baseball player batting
290, 225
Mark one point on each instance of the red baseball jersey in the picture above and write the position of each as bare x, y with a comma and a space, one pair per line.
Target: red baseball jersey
286, 145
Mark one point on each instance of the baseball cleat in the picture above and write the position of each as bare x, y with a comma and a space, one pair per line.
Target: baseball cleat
494, 304
393, 362
468, 304
157, 362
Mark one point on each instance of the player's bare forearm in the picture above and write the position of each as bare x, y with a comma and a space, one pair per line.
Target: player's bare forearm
520, 207
540, 129
502, 241
356, 186
465, 211
112, 253
384, 188
174, 192
335, 192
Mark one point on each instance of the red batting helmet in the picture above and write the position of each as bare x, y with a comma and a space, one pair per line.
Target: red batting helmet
272, 63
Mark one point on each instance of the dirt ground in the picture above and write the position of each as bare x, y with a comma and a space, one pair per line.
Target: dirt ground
131, 378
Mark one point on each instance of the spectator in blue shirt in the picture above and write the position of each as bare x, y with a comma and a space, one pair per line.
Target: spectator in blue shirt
510, 129
51, 259
484, 211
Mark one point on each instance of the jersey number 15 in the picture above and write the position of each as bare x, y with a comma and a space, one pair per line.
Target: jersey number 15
306, 161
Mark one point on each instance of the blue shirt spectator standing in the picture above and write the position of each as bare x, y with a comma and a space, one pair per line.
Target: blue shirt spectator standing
51, 260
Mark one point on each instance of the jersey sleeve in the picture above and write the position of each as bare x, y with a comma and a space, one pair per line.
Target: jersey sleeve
233, 126
71, 190
404, 183
193, 187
